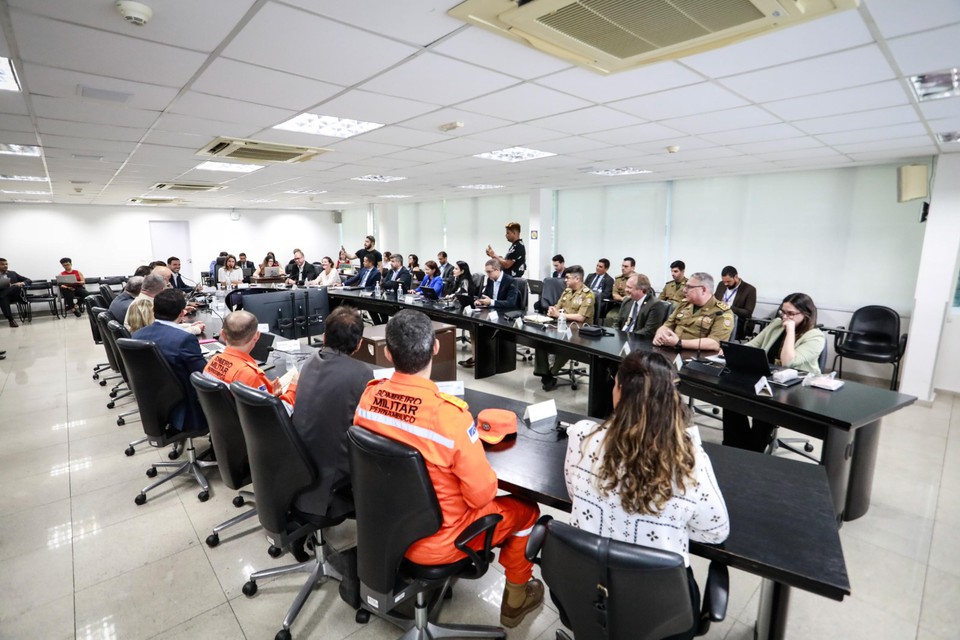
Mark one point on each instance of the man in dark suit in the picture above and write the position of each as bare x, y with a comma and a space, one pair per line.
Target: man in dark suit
559, 266
399, 274
11, 288
367, 277
243, 263
445, 267
182, 350
176, 280
500, 292
641, 313
299, 271
118, 308
740, 296
601, 282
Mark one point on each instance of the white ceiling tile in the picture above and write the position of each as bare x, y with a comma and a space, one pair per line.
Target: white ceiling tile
842, 70
463, 147
928, 51
402, 136
823, 35
57, 44
637, 134
422, 155
874, 96
437, 79
13, 122
574, 144
178, 139
649, 79
251, 83
722, 120
201, 105
753, 134
896, 17
77, 129
297, 42
79, 110
65, 84
298, 138
500, 54
12, 103
518, 135
782, 145
943, 108
944, 125
524, 102
907, 154
587, 120
73, 145
891, 144
880, 133
179, 123
374, 107
417, 21
685, 101
862, 120
357, 147
792, 154
472, 122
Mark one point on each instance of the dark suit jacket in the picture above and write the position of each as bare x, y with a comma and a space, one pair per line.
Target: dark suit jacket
607, 290
506, 295
743, 305
177, 282
309, 272
328, 391
246, 264
404, 277
182, 350
651, 315
357, 279
446, 271
118, 308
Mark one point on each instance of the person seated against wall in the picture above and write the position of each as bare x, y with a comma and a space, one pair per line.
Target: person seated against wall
701, 322
642, 313
120, 304
673, 289
559, 265
73, 294
431, 279
269, 260
235, 363
578, 304
639, 477
500, 290
299, 271
442, 429
619, 292
740, 296
328, 276
413, 266
230, 275
397, 277
444, 267
367, 278
791, 340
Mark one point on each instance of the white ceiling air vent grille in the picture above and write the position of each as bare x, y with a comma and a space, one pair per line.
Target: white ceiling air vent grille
615, 35
154, 201
185, 186
238, 150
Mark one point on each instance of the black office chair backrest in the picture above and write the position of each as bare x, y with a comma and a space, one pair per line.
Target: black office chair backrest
279, 463
95, 307
225, 431
823, 355
646, 594
660, 311
395, 502
154, 384
109, 342
108, 293
535, 286
118, 331
878, 327
552, 290
523, 294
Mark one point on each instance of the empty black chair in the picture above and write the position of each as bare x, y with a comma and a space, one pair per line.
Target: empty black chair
118, 331
612, 590
159, 393
102, 316
281, 470
873, 336
550, 291
396, 506
108, 293
40, 291
96, 302
226, 434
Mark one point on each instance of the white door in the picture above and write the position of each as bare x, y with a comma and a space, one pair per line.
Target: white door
172, 238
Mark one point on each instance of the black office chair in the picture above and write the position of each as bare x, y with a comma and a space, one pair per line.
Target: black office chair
159, 393
523, 303
796, 444
281, 470
109, 345
396, 506
875, 337
226, 434
118, 331
108, 293
40, 291
550, 291
95, 301
612, 590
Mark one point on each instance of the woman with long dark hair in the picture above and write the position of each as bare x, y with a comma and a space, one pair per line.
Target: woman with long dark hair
462, 279
640, 477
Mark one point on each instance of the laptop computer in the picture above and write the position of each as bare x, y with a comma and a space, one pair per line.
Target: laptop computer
271, 272
67, 280
429, 294
465, 299
752, 361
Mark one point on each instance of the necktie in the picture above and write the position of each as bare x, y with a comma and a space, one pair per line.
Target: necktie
598, 283
363, 280
633, 316
496, 288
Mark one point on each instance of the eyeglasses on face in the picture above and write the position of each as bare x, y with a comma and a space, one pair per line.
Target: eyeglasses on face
790, 314
689, 287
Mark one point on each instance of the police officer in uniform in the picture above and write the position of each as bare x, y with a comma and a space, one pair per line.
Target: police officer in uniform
619, 294
514, 264
673, 290
702, 322
577, 303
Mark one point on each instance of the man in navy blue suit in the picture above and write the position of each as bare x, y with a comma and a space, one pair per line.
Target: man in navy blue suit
500, 291
182, 350
367, 277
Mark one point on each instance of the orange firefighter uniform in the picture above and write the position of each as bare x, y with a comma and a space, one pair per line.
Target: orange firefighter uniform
232, 364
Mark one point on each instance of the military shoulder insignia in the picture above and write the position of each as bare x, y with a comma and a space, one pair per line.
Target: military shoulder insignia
455, 401
723, 306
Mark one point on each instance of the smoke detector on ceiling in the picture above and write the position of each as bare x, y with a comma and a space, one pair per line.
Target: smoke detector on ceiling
136, 13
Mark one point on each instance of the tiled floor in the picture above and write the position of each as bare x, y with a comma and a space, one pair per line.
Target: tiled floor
80, 560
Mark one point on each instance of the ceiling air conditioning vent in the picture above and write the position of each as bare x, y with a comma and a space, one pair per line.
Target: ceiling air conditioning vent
184, 186
607, 36
257, 152
154, 201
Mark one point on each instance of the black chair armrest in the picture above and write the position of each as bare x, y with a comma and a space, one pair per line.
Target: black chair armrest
535, 541
486, 526
902, 346
716, 593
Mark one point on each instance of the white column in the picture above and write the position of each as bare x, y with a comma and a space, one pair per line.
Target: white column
541, 221
935, 282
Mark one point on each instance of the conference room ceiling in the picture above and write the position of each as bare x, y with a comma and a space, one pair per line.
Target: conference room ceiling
116, 109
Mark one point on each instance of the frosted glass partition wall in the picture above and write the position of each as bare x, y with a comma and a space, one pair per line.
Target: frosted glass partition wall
353, 230
420, 229
473, 223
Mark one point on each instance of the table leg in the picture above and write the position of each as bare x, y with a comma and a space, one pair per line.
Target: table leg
865, 445
772, 613
835, 457
599, 399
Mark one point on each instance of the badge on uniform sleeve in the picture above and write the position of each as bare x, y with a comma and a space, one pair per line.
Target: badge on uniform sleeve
726, 322
472, 432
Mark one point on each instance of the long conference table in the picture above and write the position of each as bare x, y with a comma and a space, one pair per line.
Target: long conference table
847, 420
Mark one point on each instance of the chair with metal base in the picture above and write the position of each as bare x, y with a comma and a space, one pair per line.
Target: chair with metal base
281, 470
95, 301
118, 331
796, 444
226, 434
159, 394
396, 506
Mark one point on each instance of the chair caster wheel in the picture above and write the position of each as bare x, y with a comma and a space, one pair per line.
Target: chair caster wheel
283, 634
274, 552
249, 588
152, 472
174, 454
362, 616
129, 451
808, 448
449, 594
103, 383
203, 496
238, 501
96, 376
121, 422
113, 394
140, 499
111, 404
574, 386
213, 540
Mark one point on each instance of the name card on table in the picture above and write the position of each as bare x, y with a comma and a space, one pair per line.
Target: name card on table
540, 411
492, 316
382, 374
287, 345
625, 351
678, 362
763, 387
263, 327
451, 387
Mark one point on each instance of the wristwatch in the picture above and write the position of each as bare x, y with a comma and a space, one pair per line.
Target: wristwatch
679, 345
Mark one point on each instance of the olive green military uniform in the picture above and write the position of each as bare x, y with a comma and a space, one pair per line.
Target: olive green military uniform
613, 309
712, 320
673, 291
572, 302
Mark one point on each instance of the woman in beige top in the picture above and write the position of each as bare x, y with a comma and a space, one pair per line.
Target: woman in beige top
328, 275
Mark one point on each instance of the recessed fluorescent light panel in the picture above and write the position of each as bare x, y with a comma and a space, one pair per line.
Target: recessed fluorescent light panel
936, 85
480, 186
305, 192
394, 195
8, 77
37, 201
327, 125
950, 136
344, 202
259, 201
19, 150
515, 154
376, 178
25, 193
229, 166
622, 171
24, 178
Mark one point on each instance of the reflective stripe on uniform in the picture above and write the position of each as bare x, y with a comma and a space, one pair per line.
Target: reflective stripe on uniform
523, 534
412, 429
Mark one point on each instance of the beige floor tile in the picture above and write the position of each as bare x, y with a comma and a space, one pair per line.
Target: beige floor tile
44, 527
89, 474
40, 489
25, 433
885, 579
944, 550
50, 620
893, 529
33, 579
32, 462
812, 616
940, 614
217, 624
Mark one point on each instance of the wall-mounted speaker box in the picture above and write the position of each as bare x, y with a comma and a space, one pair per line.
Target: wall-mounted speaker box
337, 217
912, 182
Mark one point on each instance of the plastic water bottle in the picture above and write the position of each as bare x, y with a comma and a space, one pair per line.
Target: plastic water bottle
376, 290
562, 322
